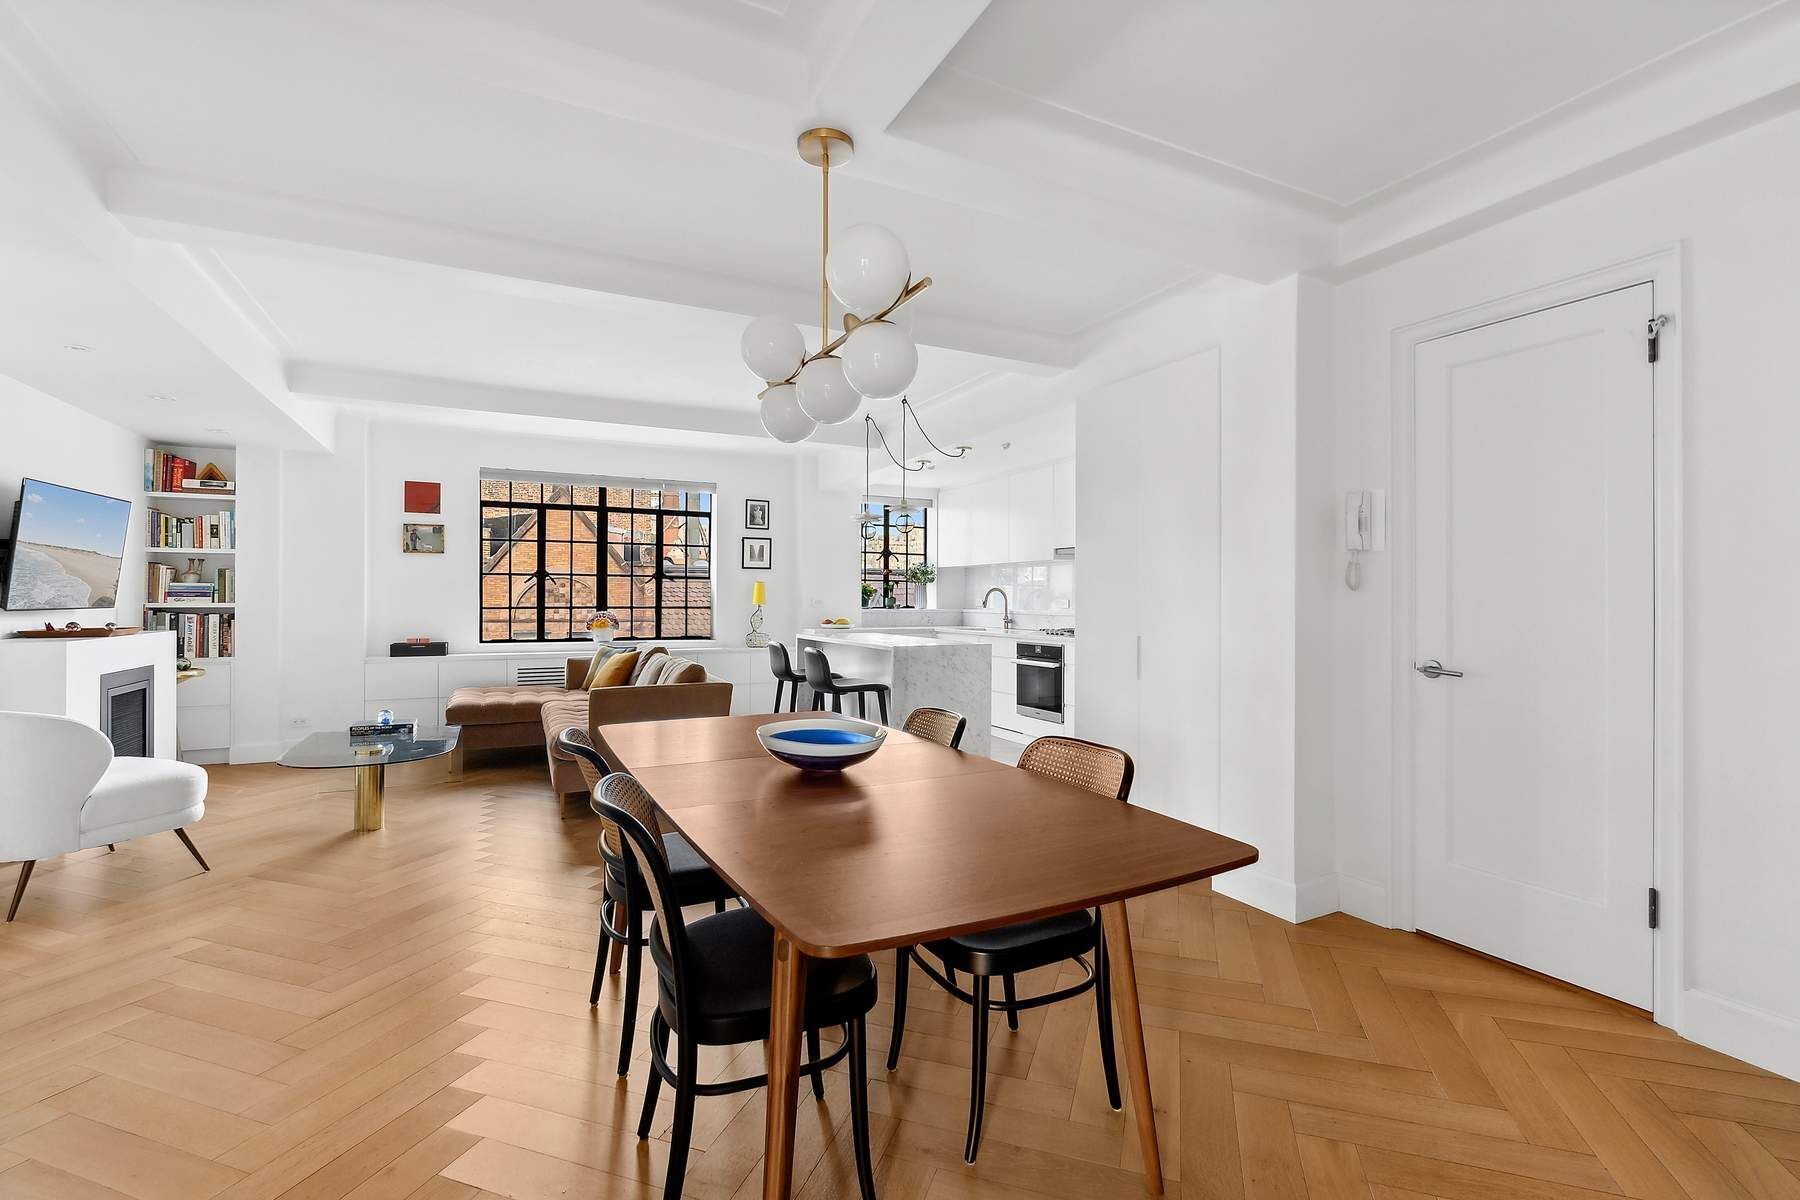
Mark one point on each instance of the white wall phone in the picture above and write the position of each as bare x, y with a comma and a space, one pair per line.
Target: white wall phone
1365, 529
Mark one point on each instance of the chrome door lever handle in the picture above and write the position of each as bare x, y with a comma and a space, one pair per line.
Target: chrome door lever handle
1431, 668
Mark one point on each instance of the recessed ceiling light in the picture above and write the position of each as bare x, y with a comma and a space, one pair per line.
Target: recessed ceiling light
161, 397
77, 347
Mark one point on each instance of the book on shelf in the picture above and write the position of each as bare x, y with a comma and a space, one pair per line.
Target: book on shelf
197, 635
167, 472
203, 531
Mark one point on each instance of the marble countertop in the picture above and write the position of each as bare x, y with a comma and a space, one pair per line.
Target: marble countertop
879, 639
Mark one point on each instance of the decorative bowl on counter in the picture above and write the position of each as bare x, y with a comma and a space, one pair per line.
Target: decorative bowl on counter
821, 743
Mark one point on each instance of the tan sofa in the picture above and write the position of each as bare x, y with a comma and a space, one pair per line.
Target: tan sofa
494, 718
669, 687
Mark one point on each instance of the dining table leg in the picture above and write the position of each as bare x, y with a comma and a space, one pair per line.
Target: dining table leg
1131, 1032
787, 994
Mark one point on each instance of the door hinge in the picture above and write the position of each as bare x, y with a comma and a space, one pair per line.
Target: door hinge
1655, 908
1653, 331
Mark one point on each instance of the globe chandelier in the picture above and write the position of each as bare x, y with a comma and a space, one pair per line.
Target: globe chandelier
874, 358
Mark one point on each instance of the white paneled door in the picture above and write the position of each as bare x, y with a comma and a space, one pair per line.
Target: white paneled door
1534, 571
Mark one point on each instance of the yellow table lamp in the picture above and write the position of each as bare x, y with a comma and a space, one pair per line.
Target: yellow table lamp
758, 596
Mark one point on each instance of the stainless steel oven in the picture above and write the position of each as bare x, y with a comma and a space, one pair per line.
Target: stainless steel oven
1039, 671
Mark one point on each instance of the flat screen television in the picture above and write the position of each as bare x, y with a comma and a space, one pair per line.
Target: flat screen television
67, 548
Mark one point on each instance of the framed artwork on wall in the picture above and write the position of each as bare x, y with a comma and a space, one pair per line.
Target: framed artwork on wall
757, 554
421, 539
756, 514
424, 498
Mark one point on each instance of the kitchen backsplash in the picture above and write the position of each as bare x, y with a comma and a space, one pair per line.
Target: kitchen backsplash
1042, 588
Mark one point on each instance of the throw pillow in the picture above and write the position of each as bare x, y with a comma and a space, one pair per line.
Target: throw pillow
600, 657
616, 670
644, 660
684, 670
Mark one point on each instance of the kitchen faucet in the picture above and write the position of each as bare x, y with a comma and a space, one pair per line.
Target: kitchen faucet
1006, 620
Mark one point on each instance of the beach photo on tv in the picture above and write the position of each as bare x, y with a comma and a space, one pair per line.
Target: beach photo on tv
68, 548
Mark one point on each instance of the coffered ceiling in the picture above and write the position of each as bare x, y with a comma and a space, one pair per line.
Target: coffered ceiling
568, 206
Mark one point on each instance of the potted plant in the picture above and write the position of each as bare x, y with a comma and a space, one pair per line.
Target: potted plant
919, 575
868, 594
603, 626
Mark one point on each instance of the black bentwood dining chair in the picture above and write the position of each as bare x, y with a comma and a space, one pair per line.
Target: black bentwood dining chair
1028, 945
712, 983
623, 901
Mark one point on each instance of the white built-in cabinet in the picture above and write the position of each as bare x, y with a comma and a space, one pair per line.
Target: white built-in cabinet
1062, 504
1147, 466
1022, 517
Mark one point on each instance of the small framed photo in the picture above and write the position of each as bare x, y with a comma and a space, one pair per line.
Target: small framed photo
756, 514
426, 499
758, 553
421, 539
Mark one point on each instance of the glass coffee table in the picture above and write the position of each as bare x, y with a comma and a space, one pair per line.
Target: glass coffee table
369, 757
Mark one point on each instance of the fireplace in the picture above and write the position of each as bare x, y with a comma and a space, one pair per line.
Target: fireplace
127, 711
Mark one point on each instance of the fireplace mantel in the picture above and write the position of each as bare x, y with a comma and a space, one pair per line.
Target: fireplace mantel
62, 676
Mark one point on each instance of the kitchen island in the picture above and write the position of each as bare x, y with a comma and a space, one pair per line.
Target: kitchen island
919, 669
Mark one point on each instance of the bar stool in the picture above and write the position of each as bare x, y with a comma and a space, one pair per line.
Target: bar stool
822, 680
782, 668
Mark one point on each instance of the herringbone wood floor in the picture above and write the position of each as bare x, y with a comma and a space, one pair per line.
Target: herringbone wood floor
405, 1014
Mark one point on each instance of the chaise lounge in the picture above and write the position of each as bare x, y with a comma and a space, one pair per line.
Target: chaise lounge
659, 686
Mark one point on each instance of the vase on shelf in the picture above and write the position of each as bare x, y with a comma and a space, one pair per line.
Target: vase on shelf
192, 574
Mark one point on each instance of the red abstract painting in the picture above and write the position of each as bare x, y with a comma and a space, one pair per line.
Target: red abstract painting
424, 497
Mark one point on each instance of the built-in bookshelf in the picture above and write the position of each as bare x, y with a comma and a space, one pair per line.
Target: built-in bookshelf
190, 529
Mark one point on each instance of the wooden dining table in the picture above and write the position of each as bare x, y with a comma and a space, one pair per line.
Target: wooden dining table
918, 842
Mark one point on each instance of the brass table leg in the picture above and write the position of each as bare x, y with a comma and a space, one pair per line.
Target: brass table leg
369, 781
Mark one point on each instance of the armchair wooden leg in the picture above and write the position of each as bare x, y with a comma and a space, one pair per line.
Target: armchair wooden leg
19, 892
192, 849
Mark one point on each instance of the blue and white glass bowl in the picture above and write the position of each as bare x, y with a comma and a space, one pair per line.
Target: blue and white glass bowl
821, 743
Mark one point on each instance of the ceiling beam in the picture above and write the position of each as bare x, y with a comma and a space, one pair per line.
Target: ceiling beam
331, 381
178, 208
869, 58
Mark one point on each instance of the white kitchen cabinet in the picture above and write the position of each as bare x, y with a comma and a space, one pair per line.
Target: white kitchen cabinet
1148, 528
1029, 516
1062, 504
989, 539
951, 516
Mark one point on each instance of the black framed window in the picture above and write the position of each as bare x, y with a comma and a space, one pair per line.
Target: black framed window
554, 554
894, 540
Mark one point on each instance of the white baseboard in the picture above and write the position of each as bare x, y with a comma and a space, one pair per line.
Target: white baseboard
1278, 897
1361, 898
1762, 1038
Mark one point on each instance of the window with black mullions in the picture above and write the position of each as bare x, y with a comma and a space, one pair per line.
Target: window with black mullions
894, 541
554, 554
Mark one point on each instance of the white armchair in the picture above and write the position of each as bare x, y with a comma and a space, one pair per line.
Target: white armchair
61, 789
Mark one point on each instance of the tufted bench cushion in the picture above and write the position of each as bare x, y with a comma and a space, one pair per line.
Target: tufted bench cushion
499, 718
569, 712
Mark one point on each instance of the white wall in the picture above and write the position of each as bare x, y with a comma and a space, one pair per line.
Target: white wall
1731, 205
345, 590
47, 439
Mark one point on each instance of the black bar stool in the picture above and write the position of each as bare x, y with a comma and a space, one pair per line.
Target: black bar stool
824, 682
783, 669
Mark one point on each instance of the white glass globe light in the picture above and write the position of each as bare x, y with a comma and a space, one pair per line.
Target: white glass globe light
824, 394
867, 269
772, 348
782, 415
880, 360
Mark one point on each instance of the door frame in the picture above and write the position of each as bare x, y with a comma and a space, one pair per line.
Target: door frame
1663, 270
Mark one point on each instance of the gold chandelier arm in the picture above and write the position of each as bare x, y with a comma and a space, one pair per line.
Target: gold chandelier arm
824, 250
